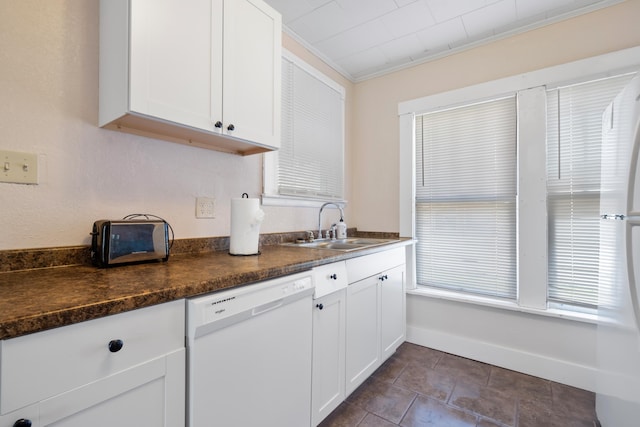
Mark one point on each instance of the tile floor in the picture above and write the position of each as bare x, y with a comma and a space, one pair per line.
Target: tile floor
419, 386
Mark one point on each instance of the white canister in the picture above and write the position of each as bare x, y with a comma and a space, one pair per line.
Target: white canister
246, 217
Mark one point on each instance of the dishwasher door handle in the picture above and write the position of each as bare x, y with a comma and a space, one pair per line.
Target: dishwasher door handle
267, 307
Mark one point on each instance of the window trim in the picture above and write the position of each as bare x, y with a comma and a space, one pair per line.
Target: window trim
270, 195
532, 292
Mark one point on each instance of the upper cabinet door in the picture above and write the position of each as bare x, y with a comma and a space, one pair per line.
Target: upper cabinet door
251, 71
171, 61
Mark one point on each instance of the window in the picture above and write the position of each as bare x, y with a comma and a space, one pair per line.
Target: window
574, 117
466, 198
546, 259
310, 162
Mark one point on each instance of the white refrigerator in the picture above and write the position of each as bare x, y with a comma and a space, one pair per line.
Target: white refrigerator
618, 335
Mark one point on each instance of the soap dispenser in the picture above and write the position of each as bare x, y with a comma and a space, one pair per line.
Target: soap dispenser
341, 229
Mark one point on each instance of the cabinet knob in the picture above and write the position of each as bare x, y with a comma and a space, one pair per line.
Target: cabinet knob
334, 276
22, 422
383, 278
218, 124
115, 346
231, 127
320, 306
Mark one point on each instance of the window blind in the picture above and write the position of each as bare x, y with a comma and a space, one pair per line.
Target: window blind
466, 198
310, 160
574, 120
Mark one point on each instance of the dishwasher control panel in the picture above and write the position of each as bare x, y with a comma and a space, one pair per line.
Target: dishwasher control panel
247, 301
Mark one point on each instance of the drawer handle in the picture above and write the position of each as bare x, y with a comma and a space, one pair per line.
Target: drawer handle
22, 422
333, 276
320, 306
383, 278
115, 346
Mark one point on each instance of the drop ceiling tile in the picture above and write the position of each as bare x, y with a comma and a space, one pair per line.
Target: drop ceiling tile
361, 11
363, 61
444, 10
355, 40
402, 3
528, 8
409, 19
404, 47
314, 3
322, 23
442, 35
485, 20
292, 10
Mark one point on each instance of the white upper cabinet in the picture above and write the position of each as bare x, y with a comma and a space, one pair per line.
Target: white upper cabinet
202, 72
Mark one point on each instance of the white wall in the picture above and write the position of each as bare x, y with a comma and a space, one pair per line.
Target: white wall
49, 92
548, 347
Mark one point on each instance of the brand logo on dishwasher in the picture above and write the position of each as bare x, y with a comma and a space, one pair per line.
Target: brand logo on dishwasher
220, 301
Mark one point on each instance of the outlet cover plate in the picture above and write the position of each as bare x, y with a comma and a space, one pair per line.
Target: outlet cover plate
19, 168
205, 207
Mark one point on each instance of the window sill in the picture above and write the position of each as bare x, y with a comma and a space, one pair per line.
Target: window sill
502, 304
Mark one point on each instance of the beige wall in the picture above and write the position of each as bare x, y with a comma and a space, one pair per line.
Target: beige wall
375, 127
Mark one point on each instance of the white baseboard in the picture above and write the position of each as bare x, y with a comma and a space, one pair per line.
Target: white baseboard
537, 365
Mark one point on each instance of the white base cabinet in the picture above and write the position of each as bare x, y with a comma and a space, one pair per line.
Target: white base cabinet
359, 321
76, 375
328, 379
376, 313
329, 323
363, 331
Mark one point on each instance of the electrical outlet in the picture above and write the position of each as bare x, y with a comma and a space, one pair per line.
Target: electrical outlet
205, 207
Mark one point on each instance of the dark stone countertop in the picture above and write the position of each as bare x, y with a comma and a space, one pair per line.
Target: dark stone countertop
45, 298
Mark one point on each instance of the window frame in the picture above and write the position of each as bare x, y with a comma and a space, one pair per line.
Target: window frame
532, 250
270, 195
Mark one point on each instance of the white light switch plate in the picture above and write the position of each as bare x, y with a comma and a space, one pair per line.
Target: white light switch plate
20, 168
205, 207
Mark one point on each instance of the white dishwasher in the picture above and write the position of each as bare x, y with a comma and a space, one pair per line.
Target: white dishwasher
249, 355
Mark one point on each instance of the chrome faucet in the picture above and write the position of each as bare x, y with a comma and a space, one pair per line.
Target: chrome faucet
320, 216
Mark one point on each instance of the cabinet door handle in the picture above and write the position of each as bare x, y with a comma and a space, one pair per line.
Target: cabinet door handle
22, 422
231, 127
218, 124
334, 276
115, 346
320, 306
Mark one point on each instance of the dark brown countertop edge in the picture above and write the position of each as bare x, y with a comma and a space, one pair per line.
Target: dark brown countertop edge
27, 323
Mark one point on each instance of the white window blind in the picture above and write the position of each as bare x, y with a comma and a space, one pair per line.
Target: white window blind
310, 161
466, 198
574, 120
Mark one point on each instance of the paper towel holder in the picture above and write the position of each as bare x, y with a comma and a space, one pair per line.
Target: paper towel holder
238, 245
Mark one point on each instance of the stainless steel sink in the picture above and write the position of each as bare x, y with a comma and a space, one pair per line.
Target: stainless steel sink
345, 245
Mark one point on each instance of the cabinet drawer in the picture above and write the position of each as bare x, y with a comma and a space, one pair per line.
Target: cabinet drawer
368, 265
329, 278
41, 365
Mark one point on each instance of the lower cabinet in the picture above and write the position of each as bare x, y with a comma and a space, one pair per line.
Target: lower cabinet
376, 307
392, 310
363, 331
356, 326
126, 369
328, 379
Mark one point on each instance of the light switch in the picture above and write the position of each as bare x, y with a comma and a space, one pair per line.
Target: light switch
19, 168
